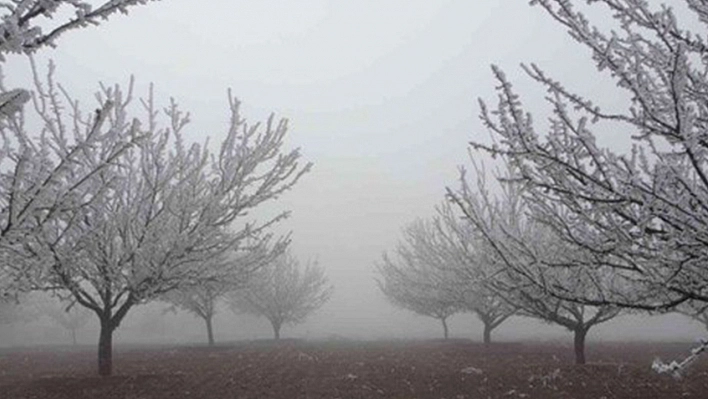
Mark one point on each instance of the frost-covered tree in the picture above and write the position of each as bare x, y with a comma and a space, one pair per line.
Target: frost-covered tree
513, 242
27, 25
283, 291
38, 180
491, 309
437, 261
200, 300
45, 176
413, 278
636, 220
459, 253
162, 214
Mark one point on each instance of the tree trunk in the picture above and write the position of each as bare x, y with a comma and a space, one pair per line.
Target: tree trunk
445, 330
105, 348
579, 345
276, 331
210, 330
73, 336
488, 333
109, 323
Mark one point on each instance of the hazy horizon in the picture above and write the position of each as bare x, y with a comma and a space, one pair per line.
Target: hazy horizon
381, 97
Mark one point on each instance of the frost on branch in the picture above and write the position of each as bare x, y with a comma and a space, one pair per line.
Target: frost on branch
27, 25
676, 368
637, 221
521, 255
11, 102
45, 175
634, 223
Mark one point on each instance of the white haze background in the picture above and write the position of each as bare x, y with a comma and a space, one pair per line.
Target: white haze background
381, 96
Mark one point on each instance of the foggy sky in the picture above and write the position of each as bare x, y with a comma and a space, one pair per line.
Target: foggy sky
381, 96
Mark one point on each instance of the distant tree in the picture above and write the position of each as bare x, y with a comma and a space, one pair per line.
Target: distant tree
68, 315
513, 241
411, 280
462, 255
200, 300
161, 214
490, 308
28, 25
283, 292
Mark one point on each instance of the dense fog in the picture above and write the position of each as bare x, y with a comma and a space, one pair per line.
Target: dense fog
381, 98
156, 323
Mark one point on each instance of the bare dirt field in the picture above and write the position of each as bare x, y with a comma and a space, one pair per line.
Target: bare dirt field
295, 369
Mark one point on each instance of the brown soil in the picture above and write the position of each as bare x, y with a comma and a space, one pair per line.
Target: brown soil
292, 369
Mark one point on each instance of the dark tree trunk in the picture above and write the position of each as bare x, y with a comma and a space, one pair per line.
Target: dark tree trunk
579, 344
210, 330
445, 329
109, 323
276, 331
105, 348
488, 333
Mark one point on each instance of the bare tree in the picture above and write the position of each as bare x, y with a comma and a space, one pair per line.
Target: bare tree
415, 280
575, 317
283, 292
28, 25
514, 242
641, 217
161, 214
38, 181
38, 174
490, 308
462, 257
40, 178
200, 300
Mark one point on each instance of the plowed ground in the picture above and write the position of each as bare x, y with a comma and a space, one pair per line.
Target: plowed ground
294, 369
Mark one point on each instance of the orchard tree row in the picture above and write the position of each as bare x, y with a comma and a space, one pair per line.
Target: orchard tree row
575, 231
115, 205
282, 291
